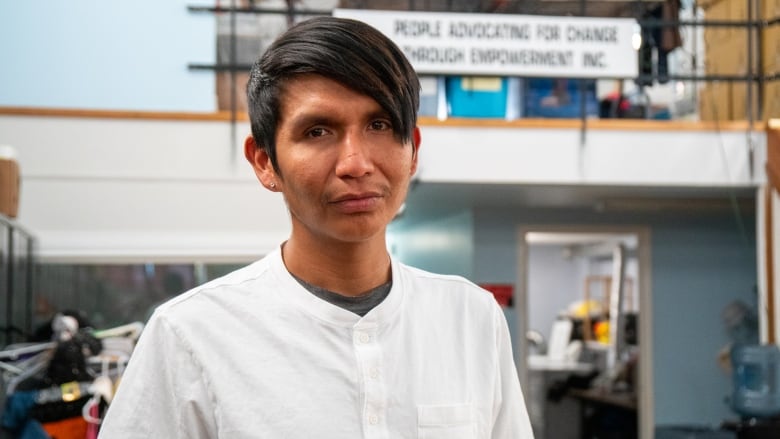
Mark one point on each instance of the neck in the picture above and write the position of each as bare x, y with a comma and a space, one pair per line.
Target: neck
349, 269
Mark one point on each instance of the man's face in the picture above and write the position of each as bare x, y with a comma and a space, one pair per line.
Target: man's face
344, 173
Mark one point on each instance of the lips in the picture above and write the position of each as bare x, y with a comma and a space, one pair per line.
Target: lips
357, 202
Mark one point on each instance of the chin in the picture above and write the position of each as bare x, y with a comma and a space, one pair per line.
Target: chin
357, 232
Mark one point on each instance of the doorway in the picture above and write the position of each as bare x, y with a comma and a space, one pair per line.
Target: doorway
585, 310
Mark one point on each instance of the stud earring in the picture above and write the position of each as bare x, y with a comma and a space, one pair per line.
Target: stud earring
272, 185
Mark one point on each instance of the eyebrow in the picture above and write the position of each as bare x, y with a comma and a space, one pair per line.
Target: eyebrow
320, 118
307, 119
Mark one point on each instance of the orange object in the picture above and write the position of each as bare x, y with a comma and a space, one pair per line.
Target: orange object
601, 331
71, 428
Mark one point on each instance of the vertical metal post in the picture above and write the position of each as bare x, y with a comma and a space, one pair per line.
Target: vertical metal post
583, 94
616, 317
695, 58
9, 300
751, 30
30, 285
233, 62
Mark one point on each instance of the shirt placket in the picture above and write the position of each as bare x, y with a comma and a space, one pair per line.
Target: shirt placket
369, 356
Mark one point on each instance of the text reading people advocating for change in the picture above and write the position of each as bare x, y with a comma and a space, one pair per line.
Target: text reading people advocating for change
505, 31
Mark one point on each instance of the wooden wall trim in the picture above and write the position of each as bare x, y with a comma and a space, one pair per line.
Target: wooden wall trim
773, 177
770, 264
599, 124
226, 116
220, 116
773, 153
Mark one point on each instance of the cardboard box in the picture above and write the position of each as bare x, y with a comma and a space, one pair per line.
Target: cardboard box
732, 55
9, 187
739, 9
771, 49
714, 36
705, 104
715, 102
739, 103
224, 87
717, 10
714, 62
771, 9
772, 100
253, 34
736, 11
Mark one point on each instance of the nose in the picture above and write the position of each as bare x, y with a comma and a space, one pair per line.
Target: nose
354, 158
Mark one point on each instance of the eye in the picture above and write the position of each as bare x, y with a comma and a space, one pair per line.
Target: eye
380, 125
316, 132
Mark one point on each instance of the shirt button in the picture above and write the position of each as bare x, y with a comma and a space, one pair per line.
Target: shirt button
374, 373
364, 338
373, 419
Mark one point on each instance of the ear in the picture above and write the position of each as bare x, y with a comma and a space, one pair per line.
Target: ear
261, 163
416, 141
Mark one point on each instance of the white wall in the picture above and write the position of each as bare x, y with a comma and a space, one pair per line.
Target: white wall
100, 189
608, 156
553, 284
162, 189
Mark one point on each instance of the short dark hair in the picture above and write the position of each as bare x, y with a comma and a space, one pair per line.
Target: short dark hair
347, 51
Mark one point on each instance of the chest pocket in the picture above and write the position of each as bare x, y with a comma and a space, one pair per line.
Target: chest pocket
456, 421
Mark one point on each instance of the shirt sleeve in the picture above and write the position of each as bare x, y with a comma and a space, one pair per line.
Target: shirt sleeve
163, 392
511, 418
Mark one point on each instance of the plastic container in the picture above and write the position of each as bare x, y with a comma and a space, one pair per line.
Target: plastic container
559, 98
484, 97
433, 97
756, 380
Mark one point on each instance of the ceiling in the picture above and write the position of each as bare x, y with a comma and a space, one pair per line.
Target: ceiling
431, 200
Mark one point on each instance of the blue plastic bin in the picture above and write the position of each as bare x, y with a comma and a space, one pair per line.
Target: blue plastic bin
477, 96
559, 98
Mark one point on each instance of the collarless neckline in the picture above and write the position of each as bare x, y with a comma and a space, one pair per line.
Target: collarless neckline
291, 290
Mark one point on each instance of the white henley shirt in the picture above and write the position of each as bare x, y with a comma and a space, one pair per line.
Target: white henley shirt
255, 355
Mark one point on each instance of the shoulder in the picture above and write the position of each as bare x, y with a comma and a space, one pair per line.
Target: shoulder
451, 305
452, 288
226, 292
450, 281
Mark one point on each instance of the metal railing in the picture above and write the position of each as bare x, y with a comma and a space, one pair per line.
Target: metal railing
754, 25
17, 265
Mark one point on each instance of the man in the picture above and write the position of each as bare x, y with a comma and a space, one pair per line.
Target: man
328, 336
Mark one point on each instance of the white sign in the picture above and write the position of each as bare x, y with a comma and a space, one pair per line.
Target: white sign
509, 45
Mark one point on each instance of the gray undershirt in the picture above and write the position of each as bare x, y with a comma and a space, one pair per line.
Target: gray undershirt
359, 305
